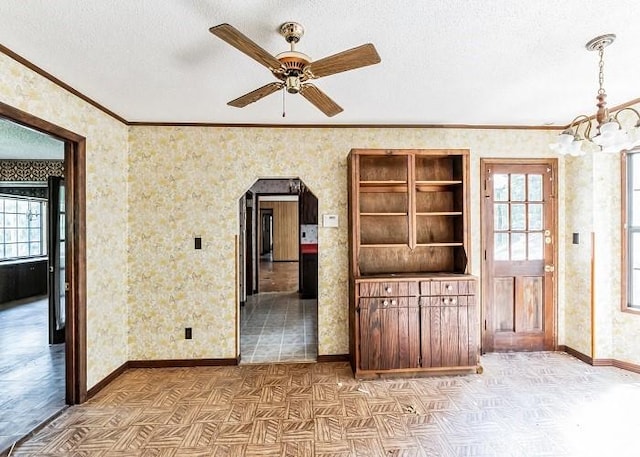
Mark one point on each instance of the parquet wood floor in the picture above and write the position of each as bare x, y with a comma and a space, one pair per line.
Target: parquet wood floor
536, 404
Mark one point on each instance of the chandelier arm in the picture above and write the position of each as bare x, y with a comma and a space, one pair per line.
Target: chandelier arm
626, 109
584, 117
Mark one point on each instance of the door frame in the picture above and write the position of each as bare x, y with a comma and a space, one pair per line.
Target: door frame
76, 275
484, 286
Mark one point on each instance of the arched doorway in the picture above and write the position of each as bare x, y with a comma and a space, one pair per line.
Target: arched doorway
278, 273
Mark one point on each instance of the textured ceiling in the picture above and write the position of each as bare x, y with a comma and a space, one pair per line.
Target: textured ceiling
490, 62
18, 142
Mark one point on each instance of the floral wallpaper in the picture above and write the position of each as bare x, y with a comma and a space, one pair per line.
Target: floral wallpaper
150, 190
173, 286
107, 147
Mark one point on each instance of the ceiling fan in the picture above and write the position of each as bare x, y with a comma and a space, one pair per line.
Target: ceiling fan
295, 69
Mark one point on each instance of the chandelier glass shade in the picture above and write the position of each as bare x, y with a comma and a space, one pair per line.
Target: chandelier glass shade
613, 132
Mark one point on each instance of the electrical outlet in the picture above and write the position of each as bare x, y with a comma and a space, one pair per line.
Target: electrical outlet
198, 243
187, 333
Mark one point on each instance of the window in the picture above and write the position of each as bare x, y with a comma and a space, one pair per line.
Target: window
631, 302
22, 228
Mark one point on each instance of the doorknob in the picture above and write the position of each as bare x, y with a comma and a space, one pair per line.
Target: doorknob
549, 268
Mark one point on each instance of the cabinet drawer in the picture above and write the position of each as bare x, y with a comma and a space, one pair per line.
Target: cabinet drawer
448, 287
447, 300
387, 303
388, 289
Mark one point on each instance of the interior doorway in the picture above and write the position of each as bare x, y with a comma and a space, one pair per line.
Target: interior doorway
519, 238
38, 344
277, 278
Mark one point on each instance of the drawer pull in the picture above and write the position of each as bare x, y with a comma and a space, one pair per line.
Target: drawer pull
388, 289
385, 303
394, 302
449, 287
453, 301
445, 301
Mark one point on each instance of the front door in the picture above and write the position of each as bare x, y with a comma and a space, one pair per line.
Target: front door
519, 235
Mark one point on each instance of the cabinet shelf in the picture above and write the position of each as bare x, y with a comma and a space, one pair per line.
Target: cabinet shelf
440, 213
383, 245
383, 186
436, 186
383, 214
441, 244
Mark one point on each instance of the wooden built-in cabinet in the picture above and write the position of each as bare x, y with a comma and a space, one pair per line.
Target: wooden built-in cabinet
412, 305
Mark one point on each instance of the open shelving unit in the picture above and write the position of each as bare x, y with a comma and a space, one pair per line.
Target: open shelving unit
408, 224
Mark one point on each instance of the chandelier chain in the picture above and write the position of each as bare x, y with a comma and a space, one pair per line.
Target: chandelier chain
601, 90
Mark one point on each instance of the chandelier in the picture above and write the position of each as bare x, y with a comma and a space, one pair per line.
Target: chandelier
609, 135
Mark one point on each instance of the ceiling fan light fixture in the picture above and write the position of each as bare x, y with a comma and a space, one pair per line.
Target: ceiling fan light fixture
293, 84
610, 135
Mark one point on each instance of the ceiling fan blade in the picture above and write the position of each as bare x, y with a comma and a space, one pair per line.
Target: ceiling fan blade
256, 95
242, 43
358, 57
320, 100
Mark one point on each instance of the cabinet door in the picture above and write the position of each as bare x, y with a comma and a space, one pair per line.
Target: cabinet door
448, 331
389, 333
7, 283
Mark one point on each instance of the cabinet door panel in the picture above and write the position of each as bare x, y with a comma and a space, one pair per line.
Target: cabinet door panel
389, 336
450, 349
432, 333
463, 331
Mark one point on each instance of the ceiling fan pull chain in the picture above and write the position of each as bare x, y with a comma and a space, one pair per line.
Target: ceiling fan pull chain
284, 114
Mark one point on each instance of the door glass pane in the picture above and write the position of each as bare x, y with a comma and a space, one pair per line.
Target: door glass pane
535, 216
501, 246
518, 246
501, 188
10, 205
535, 188
536, 246
501, 216
518, 219
517, 188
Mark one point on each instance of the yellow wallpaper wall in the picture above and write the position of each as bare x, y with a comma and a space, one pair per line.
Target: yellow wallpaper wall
578, 219
107, 147
186, 181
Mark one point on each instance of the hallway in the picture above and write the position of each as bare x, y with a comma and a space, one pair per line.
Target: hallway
32, 375
278, 327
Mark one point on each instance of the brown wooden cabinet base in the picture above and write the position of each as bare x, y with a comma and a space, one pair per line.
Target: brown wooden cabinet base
423, 323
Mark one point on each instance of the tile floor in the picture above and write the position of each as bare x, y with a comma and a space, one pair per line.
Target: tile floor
278, 327
523, 405
31, 371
